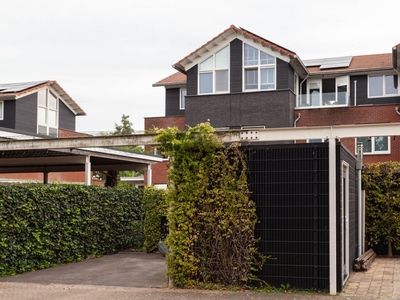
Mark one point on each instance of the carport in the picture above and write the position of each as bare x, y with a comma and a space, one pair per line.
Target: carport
45, 159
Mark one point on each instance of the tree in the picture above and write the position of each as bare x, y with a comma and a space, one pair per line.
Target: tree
211, 219
382, 186
111, 178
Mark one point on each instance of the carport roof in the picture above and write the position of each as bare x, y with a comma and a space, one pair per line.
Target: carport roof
69, 159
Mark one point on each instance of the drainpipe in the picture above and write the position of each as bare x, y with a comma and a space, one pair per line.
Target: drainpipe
298, 118
355, 92
397, 111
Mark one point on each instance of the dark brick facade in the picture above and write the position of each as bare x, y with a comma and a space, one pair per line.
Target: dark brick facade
270, 109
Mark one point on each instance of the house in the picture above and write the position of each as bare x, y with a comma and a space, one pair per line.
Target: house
42, 110
239, 80
38, 109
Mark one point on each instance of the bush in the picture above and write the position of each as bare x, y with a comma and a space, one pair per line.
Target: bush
154, 208
43, 226
382, 186
211, 219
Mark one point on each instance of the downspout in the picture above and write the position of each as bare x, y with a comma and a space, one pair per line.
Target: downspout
298, 118
397, 111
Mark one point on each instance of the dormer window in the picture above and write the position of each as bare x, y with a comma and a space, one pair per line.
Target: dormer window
259, 69
214, 73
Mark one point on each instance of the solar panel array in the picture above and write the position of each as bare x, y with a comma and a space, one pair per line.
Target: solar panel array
18, 87
329, 63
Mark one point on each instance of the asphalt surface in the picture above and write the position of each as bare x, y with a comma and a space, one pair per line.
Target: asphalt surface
125, 275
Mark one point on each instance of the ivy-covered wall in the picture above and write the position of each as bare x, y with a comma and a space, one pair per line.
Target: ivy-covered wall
43, 226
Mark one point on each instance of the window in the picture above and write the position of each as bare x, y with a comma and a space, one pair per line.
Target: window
1, 110
375, 145
214, 73
47, 113
383, 85
259, 69
182, 99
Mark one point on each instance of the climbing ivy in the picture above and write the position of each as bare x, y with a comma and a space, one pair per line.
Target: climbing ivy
211, 218
382, 186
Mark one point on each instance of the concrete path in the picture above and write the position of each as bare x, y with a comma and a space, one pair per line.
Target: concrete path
133, 275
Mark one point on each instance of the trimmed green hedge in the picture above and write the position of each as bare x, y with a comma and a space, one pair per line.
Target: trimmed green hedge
155, 207
43, 226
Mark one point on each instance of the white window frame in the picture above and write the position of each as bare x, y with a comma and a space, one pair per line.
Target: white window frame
182, 98
47, 110
373, 151
213, 71
1, 110
384, 94
258, 67
314, 81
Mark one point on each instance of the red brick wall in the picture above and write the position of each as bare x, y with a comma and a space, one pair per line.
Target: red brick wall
160, 170
355, 115
73, 177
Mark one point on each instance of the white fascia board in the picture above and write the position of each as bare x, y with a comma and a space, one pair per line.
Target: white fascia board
317, 132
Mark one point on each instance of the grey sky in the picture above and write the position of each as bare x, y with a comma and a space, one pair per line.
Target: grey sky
107, 54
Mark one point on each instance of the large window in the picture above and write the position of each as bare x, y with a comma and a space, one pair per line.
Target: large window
383, 85
375, 145
259, 69
214, 73
47, 113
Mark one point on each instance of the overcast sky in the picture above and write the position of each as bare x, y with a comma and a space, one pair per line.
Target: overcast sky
107, 54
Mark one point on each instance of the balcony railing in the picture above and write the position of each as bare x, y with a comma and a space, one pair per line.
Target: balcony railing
322, 100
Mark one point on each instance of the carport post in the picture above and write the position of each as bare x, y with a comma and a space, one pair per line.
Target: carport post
45, 177
88, 171
149, 175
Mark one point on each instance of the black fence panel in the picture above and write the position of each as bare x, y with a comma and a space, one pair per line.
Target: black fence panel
290, 186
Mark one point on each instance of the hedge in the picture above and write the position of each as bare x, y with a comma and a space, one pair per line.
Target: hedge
43, 226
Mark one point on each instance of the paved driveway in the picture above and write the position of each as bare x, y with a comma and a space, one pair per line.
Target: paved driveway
124, 269
135, 275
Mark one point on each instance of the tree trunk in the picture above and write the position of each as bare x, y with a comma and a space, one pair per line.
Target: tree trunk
390, 253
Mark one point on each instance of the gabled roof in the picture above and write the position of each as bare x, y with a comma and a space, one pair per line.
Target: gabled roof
13, 91
232, 30
175, 79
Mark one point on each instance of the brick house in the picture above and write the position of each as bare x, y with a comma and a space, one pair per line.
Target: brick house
240, 80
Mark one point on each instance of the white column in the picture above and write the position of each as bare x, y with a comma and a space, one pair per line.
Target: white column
332, 217
88, 171
149, 175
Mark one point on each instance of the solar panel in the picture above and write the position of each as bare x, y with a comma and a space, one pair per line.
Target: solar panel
336, 62
329, 63
20, 86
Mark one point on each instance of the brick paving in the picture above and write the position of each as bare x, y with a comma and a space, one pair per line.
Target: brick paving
381, 281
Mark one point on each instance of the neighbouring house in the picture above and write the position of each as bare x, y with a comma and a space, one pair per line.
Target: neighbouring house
239, 80
38, 109
43, 110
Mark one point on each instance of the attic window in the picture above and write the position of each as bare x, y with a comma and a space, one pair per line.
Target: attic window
259, 69
214, 73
